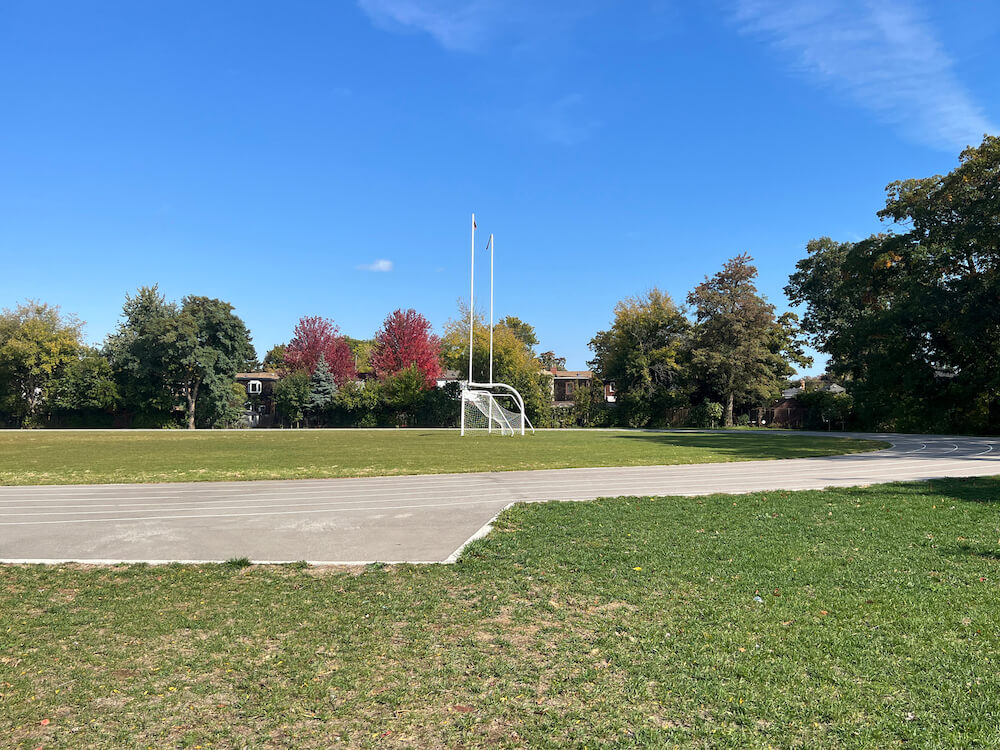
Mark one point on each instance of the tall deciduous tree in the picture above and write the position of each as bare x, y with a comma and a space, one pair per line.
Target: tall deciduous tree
525, 332
641, 354
912, 316
205, 346
36, 344
404, 341
85, 385
550, 361
291, 394
137, 354
162, 352
314, 336
513, 362
739, 348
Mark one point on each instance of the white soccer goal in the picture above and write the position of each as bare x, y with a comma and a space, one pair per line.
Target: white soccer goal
494, 408
483, 411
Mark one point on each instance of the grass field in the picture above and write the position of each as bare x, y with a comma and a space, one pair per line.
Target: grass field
622, 622
39, 457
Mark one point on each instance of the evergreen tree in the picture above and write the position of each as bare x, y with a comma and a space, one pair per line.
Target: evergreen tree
322, 389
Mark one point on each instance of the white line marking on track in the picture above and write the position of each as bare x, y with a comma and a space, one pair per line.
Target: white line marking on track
243, 515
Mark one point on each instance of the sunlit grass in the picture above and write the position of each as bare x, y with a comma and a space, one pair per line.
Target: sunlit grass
39, 457
847, 618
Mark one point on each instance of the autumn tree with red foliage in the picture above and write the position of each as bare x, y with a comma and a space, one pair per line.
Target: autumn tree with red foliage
313, 336
405, 340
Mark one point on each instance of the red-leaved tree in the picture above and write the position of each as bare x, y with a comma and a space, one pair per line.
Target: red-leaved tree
314, 336
404, 340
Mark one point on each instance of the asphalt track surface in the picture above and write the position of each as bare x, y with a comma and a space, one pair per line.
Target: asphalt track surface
403, 519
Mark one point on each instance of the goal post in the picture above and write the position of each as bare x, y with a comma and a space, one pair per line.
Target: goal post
494, 408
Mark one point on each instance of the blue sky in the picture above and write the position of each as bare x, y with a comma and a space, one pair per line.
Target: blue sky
322, 158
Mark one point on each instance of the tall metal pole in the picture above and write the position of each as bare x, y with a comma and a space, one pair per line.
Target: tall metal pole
472, 292
491, 308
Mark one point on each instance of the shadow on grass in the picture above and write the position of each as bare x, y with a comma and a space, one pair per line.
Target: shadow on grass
746, 444
966, 490
970, 550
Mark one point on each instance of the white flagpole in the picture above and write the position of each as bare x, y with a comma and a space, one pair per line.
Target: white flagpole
491, 309
472, 292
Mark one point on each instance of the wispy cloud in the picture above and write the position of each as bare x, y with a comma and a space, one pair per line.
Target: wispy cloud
379, 266
470, 25
564, 121
462, 25
883, 54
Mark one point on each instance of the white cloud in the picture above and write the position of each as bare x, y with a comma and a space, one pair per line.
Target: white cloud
379, 266
471, 25
880, 53
456, 24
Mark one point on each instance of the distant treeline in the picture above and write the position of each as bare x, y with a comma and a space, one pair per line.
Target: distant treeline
909, 317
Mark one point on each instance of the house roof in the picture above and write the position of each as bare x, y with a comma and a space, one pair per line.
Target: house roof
571, 374
257, 376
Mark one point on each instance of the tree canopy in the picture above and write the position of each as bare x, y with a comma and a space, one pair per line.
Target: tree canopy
641, 353
911, 316
513, 362
37, 343
313, 336
404, 341
739, 349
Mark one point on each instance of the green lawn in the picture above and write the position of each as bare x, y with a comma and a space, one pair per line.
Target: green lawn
622, 622
39, 457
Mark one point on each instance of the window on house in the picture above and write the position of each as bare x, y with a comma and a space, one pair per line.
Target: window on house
254, 386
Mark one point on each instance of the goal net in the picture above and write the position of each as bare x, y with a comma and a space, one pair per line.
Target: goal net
482, 411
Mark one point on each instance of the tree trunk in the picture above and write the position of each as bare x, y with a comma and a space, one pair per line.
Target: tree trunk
728, 420
192, 398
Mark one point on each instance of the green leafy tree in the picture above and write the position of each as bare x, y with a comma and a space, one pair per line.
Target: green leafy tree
524, 332
274, 360
588, 403
137, 354
358, 405
162, 352
911, 317
85, 387
403, 392
641, 353
291, 394
205, 345
706, 414
513, 362
550, 361
739, 349
361, 350
37, 343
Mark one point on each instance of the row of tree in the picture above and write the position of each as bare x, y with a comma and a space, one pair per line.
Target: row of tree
910, 318
732, 349
176, 363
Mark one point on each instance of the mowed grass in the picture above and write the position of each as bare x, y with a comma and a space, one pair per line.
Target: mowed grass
39, 457
617, 623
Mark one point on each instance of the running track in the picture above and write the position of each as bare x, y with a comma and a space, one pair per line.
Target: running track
397, 519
